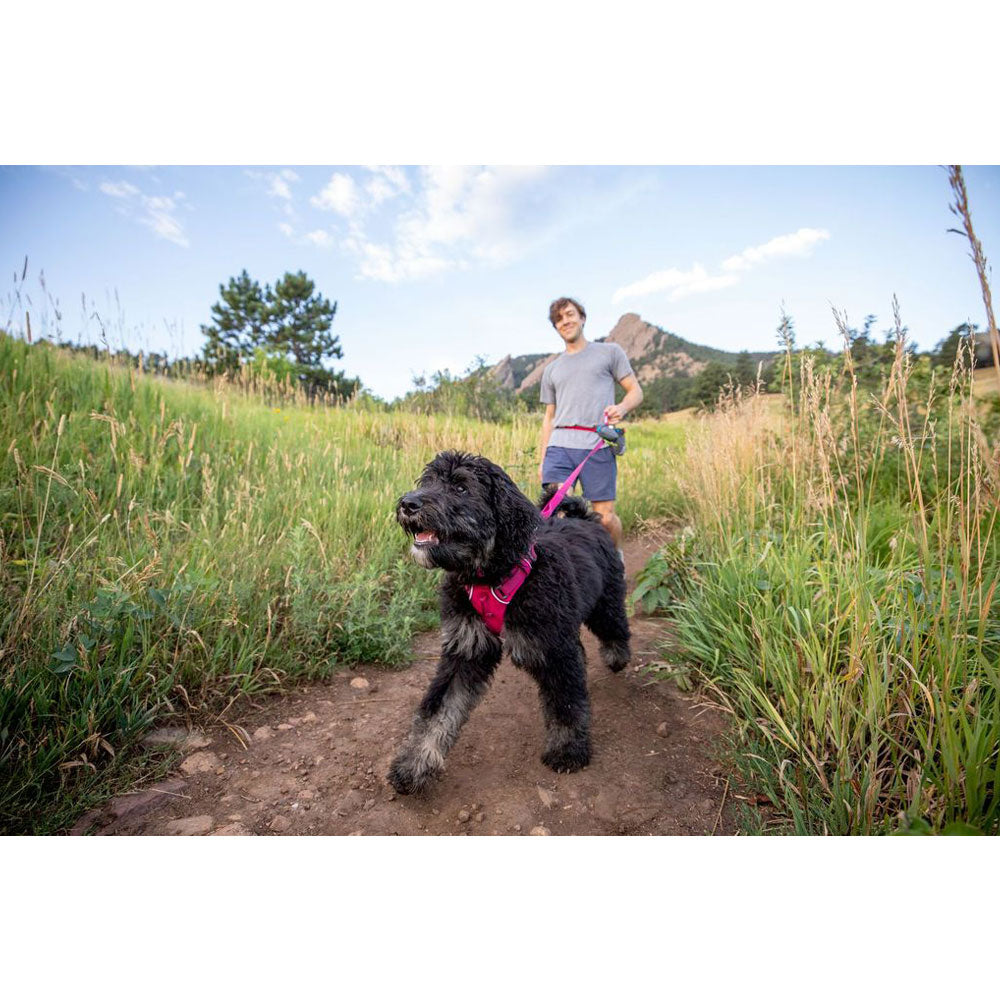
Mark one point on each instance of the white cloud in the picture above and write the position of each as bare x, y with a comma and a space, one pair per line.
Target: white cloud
286, 229
678, 283
386, 182
121, 190
340, 195
460, 217
319, 238
154, 211
276, 184
797, 244
159, 217
697, 280
279, 188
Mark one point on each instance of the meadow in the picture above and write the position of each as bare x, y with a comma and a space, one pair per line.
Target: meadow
168, 548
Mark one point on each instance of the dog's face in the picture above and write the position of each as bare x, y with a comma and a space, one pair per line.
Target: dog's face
466, 515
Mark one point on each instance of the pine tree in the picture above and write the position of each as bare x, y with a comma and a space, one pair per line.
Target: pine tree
300, 324
288, 325
240, 324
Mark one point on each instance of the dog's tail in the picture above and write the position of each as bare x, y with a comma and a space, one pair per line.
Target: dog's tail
569, 506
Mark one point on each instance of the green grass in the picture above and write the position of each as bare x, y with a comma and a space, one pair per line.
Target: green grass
840, 598
170, 547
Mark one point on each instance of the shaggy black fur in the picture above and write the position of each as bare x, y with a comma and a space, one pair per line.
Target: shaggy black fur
468, 518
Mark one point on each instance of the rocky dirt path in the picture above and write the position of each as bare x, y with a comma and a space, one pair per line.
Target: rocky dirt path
314, 761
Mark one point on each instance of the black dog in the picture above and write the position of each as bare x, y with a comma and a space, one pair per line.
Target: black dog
469, 519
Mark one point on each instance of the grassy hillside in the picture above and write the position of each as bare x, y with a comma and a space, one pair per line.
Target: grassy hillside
167, 547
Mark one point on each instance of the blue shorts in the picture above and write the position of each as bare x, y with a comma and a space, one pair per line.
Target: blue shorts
598, 478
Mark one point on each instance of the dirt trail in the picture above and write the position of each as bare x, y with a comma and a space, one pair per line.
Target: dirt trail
317, 759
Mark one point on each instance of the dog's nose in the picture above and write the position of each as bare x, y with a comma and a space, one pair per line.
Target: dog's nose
410, 503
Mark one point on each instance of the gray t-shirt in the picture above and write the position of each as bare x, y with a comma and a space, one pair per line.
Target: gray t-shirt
582, 385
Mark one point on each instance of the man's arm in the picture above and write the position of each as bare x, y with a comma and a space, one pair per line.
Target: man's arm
633, 397
550, 415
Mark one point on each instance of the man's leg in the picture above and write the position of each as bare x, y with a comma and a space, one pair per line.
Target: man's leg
610, 520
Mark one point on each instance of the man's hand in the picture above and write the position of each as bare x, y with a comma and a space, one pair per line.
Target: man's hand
614, 413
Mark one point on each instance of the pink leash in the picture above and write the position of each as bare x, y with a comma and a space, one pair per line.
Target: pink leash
557, 497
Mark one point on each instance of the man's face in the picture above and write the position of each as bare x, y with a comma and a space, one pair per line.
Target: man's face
570, 324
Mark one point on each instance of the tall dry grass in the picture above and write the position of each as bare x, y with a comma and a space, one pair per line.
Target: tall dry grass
844, 605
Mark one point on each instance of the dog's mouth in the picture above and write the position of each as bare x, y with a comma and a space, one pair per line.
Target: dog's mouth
425, 539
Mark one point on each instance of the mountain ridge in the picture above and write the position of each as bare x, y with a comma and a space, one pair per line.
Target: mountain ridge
653, 352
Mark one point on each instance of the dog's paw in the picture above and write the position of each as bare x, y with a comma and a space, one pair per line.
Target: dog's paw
403, 778
567, 759
616, 656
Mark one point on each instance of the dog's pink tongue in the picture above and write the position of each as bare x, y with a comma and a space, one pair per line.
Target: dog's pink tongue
425, 537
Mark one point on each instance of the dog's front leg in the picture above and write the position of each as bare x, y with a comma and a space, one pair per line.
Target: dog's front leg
469, 656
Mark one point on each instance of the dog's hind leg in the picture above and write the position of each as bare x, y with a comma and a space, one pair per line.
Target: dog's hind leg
457, 687
562, 684
609, 622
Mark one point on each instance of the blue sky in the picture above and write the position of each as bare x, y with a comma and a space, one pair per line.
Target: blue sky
433, 266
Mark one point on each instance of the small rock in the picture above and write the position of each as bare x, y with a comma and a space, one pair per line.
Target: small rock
517, 827
350, 803
200, 763
280, 824
360, 684
283, 726
189, 826
177, 737
463, 816
309, 717
140, 802
232, 830
540, 831
480, 817
663, 729
546, 796
307, 794
86, 822
262, 733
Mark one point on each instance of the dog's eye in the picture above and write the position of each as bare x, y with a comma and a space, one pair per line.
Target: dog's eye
460, 488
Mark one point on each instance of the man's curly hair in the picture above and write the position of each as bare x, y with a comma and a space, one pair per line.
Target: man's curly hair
555, 310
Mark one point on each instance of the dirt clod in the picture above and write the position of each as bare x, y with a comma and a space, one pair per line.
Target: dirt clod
199, 763
190, 826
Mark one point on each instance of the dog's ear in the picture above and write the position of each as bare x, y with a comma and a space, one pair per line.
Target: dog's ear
517, 519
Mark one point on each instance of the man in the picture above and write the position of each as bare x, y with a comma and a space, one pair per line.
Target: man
578, 388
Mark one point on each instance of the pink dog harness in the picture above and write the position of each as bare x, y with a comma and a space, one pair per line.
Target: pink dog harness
491, 602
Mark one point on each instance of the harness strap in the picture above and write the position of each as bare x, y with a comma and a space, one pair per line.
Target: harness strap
491, 603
